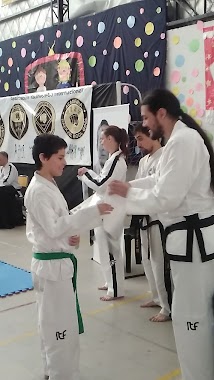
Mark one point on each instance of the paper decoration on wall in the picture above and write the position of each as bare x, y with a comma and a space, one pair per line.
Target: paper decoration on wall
185, 68
209, 69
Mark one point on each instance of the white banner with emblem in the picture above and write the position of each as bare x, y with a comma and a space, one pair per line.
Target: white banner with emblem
65, 113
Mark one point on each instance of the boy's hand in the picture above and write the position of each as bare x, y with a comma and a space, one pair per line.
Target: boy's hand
105, 208
74, 241
82, 171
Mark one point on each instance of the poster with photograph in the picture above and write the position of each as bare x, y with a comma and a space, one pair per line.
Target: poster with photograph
102, 117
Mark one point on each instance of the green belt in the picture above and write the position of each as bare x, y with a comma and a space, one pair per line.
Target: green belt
64, 255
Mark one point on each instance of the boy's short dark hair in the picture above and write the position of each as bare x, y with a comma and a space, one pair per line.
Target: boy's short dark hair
48, 145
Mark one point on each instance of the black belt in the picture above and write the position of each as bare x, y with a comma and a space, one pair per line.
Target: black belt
147, 226
192, 224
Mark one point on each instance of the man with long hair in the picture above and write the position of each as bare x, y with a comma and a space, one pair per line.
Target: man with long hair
181, 193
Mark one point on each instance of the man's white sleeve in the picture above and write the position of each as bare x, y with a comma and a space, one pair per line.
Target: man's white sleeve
144, 183
176, 178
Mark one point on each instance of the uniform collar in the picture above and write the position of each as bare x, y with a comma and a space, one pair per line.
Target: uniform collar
115, 154
178, 125
45, 181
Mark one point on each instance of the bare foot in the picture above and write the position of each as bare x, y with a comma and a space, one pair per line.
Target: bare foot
103, 288
160, 318
109, 298
150, 304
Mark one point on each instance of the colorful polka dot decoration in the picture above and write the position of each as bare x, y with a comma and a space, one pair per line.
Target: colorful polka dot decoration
149, 28
138, 42
117, 42
101, 27
131, 21
79, 41
92, 61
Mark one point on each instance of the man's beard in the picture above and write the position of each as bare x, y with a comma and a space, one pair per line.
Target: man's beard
145, 151
157, 134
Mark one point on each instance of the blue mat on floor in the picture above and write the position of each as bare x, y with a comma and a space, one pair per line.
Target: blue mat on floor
13, 280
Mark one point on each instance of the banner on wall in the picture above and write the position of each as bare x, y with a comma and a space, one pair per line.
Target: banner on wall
65, 113
102, 117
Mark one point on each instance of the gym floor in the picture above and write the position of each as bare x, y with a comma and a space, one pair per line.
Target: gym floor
119, 343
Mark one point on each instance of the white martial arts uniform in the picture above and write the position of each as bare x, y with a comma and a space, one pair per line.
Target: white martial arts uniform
9, 176
49, 226
151, 243
109, 242
180, 192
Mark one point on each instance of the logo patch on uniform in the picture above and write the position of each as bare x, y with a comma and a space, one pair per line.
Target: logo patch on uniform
192, 325
44, 118
2, 131
18, 121
74, 118
60, 335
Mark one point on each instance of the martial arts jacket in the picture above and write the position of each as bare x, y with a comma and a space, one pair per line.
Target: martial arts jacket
115, 168
147, 165
9, 176
180, 187
49, 225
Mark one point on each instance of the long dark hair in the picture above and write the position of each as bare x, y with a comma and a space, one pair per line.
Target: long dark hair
120, 135
161, 98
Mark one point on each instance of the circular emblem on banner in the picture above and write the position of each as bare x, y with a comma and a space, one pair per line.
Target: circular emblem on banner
74, 118
44, 118
18, 121
2, 131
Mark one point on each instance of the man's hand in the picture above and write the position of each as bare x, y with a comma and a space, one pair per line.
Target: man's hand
82, 171
74, 241
119, 188
105, 208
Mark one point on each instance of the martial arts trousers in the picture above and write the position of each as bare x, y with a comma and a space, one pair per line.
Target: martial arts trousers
153, 264
58, 326
192, 304
111, 261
